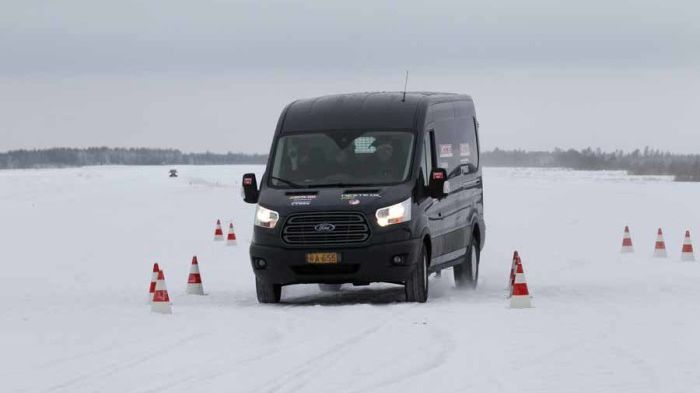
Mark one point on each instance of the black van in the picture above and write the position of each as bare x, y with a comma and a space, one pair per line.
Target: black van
369, 187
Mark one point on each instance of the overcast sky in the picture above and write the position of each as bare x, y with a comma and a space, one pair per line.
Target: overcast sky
214, 75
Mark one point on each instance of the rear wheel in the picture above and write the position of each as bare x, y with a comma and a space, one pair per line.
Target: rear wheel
417, 285
267, 293
329, 287
467, 273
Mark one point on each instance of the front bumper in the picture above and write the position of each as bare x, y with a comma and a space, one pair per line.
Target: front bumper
359, 265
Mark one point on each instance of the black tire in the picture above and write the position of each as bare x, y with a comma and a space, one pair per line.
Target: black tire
329, 287
417, 286
467, 273
267, 293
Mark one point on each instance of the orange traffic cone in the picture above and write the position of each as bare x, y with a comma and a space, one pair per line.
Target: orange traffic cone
627, 242
660, 247
161, 300
511, 279
520, 296
194, 281
687, 252
231, 238
154, 278
218, 233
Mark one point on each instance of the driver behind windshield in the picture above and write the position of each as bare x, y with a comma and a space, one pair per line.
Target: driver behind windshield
384, 165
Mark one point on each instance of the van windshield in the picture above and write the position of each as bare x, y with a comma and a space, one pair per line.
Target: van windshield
342, 158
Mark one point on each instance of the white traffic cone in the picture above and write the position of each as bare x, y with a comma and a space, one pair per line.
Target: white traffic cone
660, 246
627, 242
194, 281
687, 252
231, 237
161, 300
520, 295
154, 278
218, 233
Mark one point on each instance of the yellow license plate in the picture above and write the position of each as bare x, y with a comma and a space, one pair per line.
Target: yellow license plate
322, 257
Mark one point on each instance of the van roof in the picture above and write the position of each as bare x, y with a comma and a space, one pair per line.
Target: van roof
378, 110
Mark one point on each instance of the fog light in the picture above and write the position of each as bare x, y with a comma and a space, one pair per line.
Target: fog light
398, 260
259, 263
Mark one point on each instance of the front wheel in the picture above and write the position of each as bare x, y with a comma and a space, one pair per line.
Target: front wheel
267, 293
467, 273
417, 285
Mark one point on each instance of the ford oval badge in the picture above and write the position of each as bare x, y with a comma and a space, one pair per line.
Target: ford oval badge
324, 227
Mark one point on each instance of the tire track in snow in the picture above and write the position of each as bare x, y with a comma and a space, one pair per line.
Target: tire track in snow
295, 379
79, 356
270, 351
382, 296
116, 367
607, 309
447, 345
298, 377
641, 365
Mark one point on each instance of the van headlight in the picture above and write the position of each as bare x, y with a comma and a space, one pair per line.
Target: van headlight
394, 214
266, 218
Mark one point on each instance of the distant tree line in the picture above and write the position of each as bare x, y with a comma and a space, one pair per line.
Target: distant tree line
645, 162
70, 157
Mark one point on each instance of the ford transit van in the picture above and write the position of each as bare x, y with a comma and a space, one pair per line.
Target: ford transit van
369, 187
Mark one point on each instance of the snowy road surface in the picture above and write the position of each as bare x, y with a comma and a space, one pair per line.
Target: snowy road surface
77, 247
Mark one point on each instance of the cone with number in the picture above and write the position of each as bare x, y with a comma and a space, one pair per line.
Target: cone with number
687, 252
154, 278
660, 246
520, 295
194, 281
231, 237
511, 279
161, 300
218, 232
627, 242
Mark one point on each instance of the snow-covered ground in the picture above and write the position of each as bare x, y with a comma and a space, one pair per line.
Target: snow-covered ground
77, 247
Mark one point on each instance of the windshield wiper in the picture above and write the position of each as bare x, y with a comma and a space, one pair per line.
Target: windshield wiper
288, 182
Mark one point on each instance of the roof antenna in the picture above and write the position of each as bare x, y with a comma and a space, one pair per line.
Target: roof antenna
404, 88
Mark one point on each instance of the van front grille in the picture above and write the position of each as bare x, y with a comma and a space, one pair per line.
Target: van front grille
325, 229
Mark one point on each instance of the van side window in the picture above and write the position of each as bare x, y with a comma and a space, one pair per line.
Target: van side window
443, 122
467, 143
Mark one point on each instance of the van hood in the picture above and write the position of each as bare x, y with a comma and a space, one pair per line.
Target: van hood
367, 199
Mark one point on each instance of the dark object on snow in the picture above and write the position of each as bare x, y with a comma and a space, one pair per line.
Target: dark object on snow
173, 173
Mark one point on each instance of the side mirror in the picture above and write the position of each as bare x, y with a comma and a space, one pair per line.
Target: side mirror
437, 184
250, 188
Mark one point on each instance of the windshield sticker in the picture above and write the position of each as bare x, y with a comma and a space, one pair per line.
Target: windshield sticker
301, 200
465, 150
445, 151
